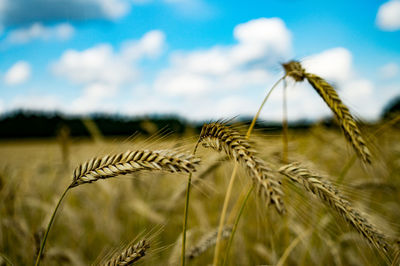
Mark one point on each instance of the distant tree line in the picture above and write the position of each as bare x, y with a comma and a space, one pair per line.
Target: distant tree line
29, 124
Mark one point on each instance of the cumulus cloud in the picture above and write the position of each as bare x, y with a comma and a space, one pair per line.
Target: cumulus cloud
390, 70
17, 12
221, 86
225, 81
261, 39
35, 102
261, 43
151, 45
96, 97
63, 31
102, 70
101, 64
334, 65
96, 64
18, 73
1, 106
388, 17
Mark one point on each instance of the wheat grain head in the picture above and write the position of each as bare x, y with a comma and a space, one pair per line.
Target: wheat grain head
133, 161
331, 197
222, 137
130, 255
207, 241
332, 99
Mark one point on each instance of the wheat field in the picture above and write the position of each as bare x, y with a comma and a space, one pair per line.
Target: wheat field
98, 220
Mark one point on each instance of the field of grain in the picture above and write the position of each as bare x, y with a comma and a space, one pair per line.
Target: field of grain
98, 220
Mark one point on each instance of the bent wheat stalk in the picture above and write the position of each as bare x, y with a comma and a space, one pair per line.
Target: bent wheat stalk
130, 255
330, 196
332, 99
222, 137
121, 164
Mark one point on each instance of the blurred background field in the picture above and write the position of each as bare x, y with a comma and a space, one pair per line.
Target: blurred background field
99, 218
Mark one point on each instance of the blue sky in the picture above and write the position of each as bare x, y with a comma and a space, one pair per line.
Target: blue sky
196, 58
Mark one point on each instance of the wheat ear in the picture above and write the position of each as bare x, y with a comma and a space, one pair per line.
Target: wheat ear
207, 241
132, 161
346, 120
222, 137
331, 197
130, 255
332, 99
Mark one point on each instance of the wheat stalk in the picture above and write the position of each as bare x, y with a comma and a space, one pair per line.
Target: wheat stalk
133, 161
332, 99
206, 242
200, 176
222, 137
130, 255
315, 184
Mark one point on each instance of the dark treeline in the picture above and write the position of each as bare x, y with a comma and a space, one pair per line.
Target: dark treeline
30, 124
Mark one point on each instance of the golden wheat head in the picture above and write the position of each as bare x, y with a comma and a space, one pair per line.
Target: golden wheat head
222, 137
330, 196
331, 98
130, 255
295, 70
133, 161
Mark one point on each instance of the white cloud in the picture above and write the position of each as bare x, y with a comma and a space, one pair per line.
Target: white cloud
102, 71
229, 107
63, 31
262, 43
334, 65
390, 70
96, 64
113, 8
150, 45
358, 88
18, 73
225, 81
40, 103
1, 106
388, 17
101, 64
337, 67
260, 39
95, 97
